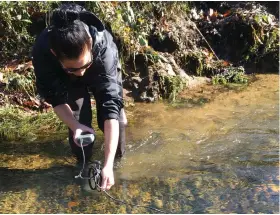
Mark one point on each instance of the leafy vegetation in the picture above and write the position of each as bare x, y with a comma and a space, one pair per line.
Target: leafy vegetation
231, 75
243, 33
132, 22
20, 83
157, 73
15, 20
170, 86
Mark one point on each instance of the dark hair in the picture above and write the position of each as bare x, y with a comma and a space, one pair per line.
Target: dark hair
68, 35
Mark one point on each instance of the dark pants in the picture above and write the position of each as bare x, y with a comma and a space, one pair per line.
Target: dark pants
79, 102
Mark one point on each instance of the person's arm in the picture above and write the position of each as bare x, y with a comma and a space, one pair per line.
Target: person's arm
109, 101
111, 137
64, 112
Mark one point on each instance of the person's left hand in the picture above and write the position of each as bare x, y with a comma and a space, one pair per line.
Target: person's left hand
107, 178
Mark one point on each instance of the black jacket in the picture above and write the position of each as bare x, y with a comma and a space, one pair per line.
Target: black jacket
102, 78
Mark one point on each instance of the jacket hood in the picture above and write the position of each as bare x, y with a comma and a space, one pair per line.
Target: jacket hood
91, 19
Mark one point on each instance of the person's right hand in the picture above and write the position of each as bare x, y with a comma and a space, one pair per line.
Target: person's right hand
79, 130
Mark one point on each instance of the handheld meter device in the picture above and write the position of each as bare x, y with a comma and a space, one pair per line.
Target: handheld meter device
85, 138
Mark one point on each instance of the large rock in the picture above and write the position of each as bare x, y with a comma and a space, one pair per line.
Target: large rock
163, 79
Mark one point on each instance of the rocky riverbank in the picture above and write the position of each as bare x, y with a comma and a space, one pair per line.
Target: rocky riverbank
165, 47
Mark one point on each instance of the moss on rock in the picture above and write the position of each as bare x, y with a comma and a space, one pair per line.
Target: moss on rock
193, 63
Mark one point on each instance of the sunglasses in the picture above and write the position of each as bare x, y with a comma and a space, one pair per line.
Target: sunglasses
72, 70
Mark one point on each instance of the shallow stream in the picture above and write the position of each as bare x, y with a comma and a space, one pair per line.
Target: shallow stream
217, 157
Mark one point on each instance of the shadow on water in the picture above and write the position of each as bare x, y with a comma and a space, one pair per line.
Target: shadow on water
15, 180
47, 148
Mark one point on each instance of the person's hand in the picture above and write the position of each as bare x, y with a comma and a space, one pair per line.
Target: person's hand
79, 130
107, 178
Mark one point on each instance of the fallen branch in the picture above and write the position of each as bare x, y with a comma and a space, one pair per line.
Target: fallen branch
205, 41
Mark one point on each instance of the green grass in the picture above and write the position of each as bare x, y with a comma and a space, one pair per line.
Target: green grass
16, 124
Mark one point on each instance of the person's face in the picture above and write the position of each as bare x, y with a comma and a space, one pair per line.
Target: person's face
78, 66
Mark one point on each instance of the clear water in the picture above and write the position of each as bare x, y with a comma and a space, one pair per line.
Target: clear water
220, 157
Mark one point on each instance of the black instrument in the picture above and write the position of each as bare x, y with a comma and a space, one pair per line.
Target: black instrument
94, 174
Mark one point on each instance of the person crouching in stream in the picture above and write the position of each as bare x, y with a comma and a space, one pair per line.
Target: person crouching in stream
72, 57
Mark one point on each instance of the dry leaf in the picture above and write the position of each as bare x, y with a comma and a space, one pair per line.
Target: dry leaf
215, 14
205, 52
72, 204
11, 65
225, 63
227, 13
114, 3
165, 22
35, 101
269, 20
21, 68
30, 104
47, 105
274, 187
42, 210
211, 11
1, 77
